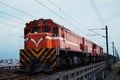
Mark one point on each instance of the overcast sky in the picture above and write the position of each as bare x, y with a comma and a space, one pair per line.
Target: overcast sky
12, 22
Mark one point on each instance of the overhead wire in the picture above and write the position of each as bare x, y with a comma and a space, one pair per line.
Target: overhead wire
52, 11
12, 16
17, 9
66, 14
71, 19
57, 15
11, 20
98, 14
62, 11
98, 34
7, 24
97, 11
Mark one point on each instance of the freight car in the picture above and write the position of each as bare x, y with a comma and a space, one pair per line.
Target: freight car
49, 46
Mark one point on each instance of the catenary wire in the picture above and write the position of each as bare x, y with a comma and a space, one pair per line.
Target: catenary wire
11, 20
17, 9
97, 12
12, 16
62, 11
66, 14
7, 24
58, 15
70, 17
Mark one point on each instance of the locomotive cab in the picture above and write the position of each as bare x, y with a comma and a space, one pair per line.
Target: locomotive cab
40, 34
39, 46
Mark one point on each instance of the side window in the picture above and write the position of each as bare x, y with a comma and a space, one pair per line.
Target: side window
27, 31
55, 31
35, 30
46, 29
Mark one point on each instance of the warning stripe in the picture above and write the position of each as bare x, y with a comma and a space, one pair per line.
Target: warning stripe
50, 53
22, 54
37, 50
28, 54
21, 62
23, 58
32, 52
46, 56
53, 60
42, 54
54, 64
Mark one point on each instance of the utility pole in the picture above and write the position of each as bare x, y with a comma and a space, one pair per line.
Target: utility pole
113, 48
107, 46
115, 53
106, 37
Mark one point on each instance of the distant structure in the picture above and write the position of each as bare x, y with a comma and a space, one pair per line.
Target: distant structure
9, 62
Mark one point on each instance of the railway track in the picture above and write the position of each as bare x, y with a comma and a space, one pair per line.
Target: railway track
22, 77
15, 75
77, 72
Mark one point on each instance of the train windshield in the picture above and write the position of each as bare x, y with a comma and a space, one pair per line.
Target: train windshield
55, 31
35, 30
27, 31
46, 29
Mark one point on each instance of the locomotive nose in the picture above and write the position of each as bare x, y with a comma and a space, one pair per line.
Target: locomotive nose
41, 40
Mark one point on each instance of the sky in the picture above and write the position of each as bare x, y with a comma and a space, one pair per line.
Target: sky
77, 15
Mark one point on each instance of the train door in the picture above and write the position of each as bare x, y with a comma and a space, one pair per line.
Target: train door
57, 41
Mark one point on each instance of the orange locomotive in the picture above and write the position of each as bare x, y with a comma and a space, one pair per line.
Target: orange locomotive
49, 46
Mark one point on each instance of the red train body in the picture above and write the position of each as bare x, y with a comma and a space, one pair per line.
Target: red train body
48, 34
43, 36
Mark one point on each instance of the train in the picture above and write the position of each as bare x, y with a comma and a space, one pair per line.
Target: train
49, 46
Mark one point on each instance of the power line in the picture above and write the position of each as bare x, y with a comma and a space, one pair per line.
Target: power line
52, 11
57, 14
70, 18
97, 29
62, 11
16, 9
12, 16
97, 11
66, 14
97, 33
7, 24
11, 20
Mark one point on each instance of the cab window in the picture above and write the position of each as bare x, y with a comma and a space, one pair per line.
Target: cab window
27, 31
46, 29
55, 31
35, 30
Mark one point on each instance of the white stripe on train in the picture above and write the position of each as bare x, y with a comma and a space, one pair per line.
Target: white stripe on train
51, 38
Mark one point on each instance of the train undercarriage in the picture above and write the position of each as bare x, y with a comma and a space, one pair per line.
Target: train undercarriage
53, 59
